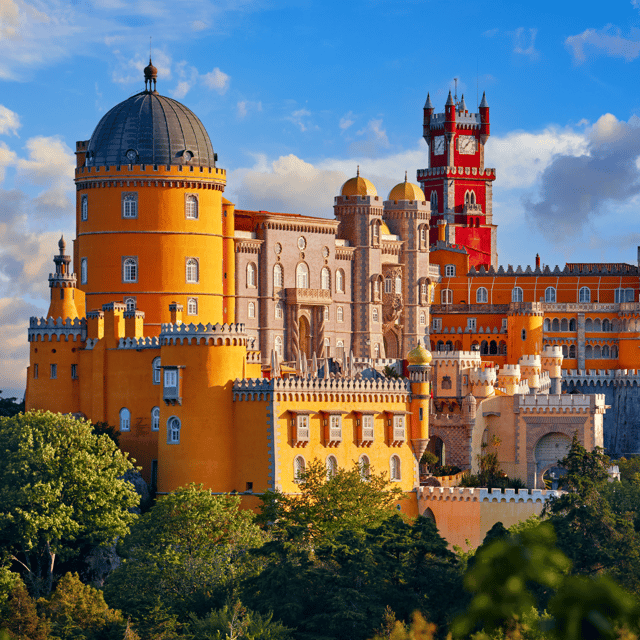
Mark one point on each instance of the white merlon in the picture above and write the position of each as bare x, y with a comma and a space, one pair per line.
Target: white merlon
481, 494
40, 327
139, 343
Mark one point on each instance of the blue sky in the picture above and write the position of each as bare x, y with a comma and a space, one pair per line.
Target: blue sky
295, 94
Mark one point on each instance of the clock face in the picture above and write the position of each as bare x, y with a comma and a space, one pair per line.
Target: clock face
131, 156
438, 145
467, 144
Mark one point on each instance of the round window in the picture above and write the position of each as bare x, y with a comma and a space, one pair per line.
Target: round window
302, 243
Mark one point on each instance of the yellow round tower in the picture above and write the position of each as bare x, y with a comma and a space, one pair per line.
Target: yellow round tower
419, 360
524, 329
149, 212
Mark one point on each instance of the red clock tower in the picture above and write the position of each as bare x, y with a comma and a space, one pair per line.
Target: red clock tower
456, 182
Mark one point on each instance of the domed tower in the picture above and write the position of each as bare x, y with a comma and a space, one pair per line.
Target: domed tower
150, 223
63, 287
358, 210
419, 360
407, 213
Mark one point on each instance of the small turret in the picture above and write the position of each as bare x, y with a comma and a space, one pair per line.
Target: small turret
419, 360
484, 119
463, 105
63, 286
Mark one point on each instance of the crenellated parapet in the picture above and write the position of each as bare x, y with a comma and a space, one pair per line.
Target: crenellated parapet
568, 403
46, 328
203, 334
481, 494
323, 389
139, 343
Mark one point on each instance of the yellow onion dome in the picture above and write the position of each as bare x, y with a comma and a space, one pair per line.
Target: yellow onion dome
358, 186
419, 355
384, 229
406, 191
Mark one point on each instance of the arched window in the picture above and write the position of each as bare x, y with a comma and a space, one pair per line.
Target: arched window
278, 309
550, 294
332, 466
547, 324
423, 318
302, 276
251, 275
503, 348
564, 325
614, 352
493, 348
572, 324
299, 467
325, 279
375, 232
434, 202
596, 351
516, 294
365, 467
192, 270
130, 304
84, 207
446, 296
192, 307
588, 325
584, 295
326, 313
173, 430
340, 314
449, 270
470, 197
191, 207
423, 289
129, 205
375, 315
394, 467
555, 325
481, 295
376, 351
278, 276
157, 371
565, 351
398, 284
423, 237
605, 351
278, 346
340, 281
388, 285
83, 271
340, 349
125, 419
251, 310
155, 419
130, 270
572, 351
484, 348
606, 325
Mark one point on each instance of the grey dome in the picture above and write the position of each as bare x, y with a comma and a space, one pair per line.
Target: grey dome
150, 129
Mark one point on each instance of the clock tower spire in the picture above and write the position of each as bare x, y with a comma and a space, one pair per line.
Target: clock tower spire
457, 182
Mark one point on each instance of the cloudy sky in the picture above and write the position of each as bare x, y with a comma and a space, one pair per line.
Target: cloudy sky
295, 94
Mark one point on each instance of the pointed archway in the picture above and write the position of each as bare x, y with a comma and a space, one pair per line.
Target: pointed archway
305, 337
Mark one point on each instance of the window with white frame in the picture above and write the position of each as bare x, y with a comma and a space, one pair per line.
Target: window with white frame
340, 349
171, 378
278, 276
376, 350
550, 294
624, 295
471, 324
516, 294
332, 466
251, 275
449, 270
299, 467
398, 284
365, 467
423, 318
192, 307
129, 205
423, 289
173, 430
302, 428
432, 295
504, 324
191, 206
388, 285
83, 271
326, 313
398, 428
155, 419
157, 371
446, 296
436, 324
367, 428
394, 468
375, 314
325, 279
278, 346
423, 236
375, 230
84, 207
302, 276
340, 281
251, 310
125, 419
279, 310
340, 314
130, 303
481, 295
192, 270
327, 347
335, 427
584, 295
130, 269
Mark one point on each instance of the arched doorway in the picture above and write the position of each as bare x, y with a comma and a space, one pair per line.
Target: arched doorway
551, 448
305, 336
436, 446
391, 345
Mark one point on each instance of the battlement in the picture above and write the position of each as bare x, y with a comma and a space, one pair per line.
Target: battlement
254, 357
530, 361
116, 171
567, 403
482, 494
483, 376
552, 351
212, 334
510, 370
437, 171
464, 358
139, 343
609, 269
603, 377
41, 327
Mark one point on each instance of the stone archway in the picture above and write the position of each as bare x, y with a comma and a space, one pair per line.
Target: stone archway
305, 336
551, 448
391, 345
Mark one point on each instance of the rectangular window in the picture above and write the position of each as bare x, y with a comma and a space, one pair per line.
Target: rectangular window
170, 378
84, 207
191, 206
54, 371
471, 324
398, 428
420, 414
129, 205
335, 428
504, 324
436, 323
302, 428
74, 371
367, 428
35, 371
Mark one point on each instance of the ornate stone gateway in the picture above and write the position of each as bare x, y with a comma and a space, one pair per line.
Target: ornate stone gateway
305, 311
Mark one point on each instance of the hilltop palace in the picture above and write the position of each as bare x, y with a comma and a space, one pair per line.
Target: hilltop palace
232, 347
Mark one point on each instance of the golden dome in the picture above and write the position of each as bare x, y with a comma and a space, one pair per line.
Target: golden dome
384, 229
419, 355
358, 187
406, 191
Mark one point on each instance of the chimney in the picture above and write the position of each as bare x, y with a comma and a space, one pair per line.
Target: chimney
538, 258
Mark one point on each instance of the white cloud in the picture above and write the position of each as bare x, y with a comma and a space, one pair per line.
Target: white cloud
608, 41
129, 69
373, 139
346, 121
9, 121
7, 158
216, 80
199, 25
297, 118
245, 106
524, 42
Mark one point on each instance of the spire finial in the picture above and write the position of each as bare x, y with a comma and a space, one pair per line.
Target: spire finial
150, 75
358, 172
62, 245
405, 175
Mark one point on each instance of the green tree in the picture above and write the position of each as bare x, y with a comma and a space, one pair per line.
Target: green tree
10, 407
19, 616
348, 500
60, 488
186, 554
